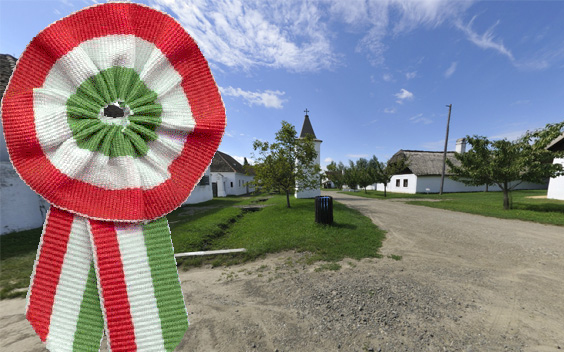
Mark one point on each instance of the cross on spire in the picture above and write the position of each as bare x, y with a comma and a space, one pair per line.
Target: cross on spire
306, 111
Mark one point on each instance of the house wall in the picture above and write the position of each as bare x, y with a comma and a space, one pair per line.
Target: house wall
231, 183
392, 186
20, 208
420, 184
311, 193
556, 184
200, 193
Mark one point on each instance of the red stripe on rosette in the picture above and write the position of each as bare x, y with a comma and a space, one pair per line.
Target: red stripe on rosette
198, 84
54, 239
112, 282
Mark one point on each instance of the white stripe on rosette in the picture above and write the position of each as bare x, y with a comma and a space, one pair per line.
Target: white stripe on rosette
140, 289
54, 134
72, 282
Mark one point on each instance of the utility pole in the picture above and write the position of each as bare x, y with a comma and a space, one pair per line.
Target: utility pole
445, 152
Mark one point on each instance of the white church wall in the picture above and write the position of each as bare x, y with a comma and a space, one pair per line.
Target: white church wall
556, 184
311, 193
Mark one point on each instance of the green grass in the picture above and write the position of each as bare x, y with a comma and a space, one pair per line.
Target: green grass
17, 254
544, 211
222, 223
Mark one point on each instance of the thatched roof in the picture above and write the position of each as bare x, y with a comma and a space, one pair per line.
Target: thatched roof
423, 163
7, 64
225, 163
557, 144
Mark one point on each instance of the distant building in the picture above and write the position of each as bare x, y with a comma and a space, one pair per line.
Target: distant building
229, 177
423, 174
307, 129
556, 184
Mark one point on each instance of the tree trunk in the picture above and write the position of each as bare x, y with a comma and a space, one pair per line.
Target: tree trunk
385, 185
287, 199
487, 187
506, 203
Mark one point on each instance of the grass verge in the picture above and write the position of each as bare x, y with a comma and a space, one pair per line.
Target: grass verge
223, 223
541, 210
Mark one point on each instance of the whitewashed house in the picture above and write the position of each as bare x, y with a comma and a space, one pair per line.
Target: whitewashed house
423, 174
307, 129
202, 192
556, 184
229, 177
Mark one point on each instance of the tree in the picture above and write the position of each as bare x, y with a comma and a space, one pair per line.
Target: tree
335, 173
350, 176
508, 163
388, 169
288, 161
364, 176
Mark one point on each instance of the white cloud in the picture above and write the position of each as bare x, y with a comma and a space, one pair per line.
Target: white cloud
419, 118
267, 98
411, 75
387, 77
245, 34
486, 40
450, 70
328, 160
390, 110
373, 17
403, 95
521, 102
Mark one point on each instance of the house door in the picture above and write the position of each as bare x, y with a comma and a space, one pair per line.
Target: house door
214, 189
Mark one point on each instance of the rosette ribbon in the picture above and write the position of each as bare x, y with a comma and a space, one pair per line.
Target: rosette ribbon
112, 115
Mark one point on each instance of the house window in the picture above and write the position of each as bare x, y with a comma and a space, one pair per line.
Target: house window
405, 182
398, 182
204, 181
231, 184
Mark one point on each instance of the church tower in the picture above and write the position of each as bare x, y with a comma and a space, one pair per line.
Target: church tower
308, 129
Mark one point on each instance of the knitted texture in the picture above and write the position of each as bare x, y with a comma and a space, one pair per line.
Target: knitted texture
112, 115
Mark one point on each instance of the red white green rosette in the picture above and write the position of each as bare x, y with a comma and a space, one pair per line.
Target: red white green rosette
112, 115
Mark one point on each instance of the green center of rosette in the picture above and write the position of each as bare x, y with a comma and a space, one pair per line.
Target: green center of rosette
114, 113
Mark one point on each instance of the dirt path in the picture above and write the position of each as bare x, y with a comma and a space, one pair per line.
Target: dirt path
464, 283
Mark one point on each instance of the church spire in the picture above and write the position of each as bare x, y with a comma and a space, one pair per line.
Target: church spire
307, 128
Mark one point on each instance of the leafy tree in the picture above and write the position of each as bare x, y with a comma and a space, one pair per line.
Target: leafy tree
351, 175
508, 163
388, 169
335, 173
363, 174
286, 162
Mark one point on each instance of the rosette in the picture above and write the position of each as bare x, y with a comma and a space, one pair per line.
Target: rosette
112, 115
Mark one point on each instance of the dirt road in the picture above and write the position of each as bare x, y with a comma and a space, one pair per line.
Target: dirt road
464, 283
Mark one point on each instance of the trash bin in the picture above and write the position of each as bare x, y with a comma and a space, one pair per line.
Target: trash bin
324, 210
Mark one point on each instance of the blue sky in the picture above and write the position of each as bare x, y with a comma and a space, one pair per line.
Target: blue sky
376, 76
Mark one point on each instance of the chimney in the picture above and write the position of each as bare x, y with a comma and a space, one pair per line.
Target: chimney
461, 145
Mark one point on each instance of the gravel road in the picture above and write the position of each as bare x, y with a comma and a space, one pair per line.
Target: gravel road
464, 283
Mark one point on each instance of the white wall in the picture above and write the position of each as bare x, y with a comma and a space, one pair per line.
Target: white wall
392, 186
232, 184
311, 193
201, 194
420, 184
556, 184
20, 207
